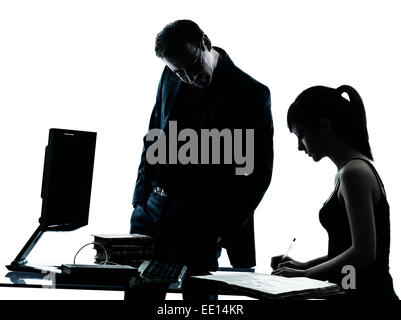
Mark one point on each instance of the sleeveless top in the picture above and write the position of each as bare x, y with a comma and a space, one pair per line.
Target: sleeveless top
372, 281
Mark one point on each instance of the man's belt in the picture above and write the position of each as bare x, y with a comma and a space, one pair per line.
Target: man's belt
160, 191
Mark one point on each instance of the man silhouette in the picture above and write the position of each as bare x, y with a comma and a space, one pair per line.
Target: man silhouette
195, 209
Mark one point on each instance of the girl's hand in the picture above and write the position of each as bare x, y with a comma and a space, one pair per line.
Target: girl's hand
293, 264
276, 260
289, 272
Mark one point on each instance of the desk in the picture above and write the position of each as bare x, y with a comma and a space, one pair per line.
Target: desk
132, 284
56, 280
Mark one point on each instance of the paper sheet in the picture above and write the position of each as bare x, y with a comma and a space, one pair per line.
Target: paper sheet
268, 283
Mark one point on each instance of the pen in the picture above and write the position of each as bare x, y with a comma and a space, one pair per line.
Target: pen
288, 250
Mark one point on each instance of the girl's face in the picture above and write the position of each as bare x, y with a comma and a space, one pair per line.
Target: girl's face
311, 140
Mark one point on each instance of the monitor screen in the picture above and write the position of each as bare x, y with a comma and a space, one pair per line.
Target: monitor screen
67, 179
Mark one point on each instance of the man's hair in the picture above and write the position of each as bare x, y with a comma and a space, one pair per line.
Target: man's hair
172, 39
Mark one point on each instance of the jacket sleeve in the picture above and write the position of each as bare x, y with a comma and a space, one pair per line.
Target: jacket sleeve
147, 172
241, 194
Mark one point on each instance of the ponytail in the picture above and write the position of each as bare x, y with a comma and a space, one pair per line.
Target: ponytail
357, 127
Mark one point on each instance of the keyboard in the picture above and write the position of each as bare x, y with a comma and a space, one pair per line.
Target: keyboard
161, 271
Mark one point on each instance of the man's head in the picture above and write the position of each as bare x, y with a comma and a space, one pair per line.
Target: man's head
188, 52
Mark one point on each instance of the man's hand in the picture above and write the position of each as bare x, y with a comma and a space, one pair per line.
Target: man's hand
139, 204
223, 242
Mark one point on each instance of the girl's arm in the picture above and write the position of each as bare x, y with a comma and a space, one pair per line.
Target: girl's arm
357, 188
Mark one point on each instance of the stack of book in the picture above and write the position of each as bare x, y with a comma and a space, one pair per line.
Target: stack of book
124, 249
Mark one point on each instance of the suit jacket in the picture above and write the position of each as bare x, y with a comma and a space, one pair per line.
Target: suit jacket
228, 200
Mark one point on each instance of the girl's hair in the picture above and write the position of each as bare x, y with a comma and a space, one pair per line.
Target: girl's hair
347, 116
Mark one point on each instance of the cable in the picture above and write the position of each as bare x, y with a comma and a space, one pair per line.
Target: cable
109, 262
94, 243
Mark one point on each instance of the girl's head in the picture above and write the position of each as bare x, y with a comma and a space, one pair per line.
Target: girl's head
319, 111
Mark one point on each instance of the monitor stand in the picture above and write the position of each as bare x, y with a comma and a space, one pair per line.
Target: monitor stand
20, 263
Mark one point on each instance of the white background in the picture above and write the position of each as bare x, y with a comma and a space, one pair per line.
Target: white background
90, 65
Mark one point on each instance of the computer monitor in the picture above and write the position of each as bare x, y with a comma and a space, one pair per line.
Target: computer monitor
66, 187
67, 179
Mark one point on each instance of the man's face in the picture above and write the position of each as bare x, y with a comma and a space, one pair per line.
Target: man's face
193, 65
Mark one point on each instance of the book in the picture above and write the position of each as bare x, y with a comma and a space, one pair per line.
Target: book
120, 239
265, 286
124, 254
124, 249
